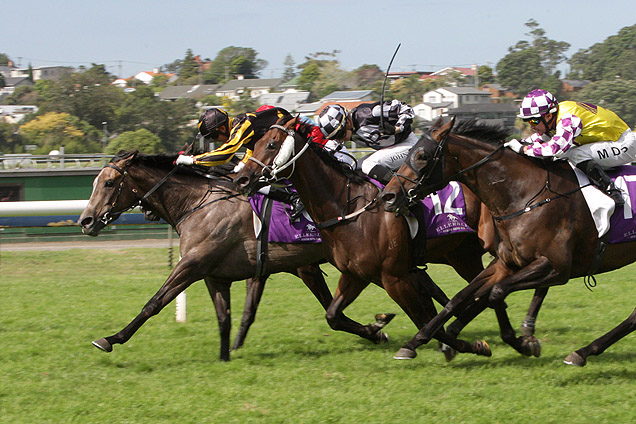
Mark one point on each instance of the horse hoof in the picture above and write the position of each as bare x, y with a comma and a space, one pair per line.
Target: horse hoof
575, 359
103, 344
405, 353
482, 348
535, 347
383, 319
449, 352
382, 337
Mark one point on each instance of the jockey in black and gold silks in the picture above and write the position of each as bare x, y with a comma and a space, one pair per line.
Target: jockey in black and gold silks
246, 129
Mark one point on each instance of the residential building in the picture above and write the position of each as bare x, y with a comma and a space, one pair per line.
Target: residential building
499, 94
196, 92
503, 114
289, 100
235, 88
458, 96
42, 72
349, 96
11, 83
13, 114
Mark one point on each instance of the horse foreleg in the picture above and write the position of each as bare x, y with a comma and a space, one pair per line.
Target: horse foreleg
463, 301
253, 294
220, 293
528, 325
349, 288
181, 277
598, 346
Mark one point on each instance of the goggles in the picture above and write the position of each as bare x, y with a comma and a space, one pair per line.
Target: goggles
533, 121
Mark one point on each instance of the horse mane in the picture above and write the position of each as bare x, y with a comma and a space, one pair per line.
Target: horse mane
304, 129
489, 133
165, 161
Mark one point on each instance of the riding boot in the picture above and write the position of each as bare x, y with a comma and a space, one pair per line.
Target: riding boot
597, 175
381, 173
291, 198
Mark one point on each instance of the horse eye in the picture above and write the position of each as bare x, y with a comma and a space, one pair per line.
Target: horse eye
109, 183
271, 145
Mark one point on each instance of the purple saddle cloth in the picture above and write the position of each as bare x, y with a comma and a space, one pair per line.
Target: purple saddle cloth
445, 212
622, 222
303, 230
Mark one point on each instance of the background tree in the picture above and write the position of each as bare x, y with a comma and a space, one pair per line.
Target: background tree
485, 75
53, 130
321, 74
614, 57
531, 64
232, 61
366, 76
141, 139
289, 73
4, 59
189, 67
23, 95
616, 94
10, 141
409, 90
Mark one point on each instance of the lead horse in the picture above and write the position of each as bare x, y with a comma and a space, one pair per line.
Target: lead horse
545, 234
366, 244
217, 241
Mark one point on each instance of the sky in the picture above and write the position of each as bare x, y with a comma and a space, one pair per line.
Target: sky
129, 36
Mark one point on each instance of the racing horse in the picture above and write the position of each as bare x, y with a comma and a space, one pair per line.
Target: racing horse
545, 233
366, 244
217, 241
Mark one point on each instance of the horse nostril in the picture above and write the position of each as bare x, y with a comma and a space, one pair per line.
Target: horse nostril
388, 198
86, 222
241, 182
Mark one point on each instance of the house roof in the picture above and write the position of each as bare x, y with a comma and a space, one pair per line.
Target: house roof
464, 90
15, 81
174, 92
347, 105
463, 71
576, 83
288, 101
485, 108
339, 96
250, 83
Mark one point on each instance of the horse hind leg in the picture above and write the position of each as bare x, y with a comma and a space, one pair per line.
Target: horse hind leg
598, 346
253, 294
220, 293
349, 288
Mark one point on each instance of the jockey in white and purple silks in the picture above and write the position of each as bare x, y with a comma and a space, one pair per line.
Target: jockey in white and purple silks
591, 137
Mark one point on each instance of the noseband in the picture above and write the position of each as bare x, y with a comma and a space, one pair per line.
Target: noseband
285, 158
108, 217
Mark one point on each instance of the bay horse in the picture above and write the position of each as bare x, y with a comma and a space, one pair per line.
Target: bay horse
545, 234
366, 244
217, 241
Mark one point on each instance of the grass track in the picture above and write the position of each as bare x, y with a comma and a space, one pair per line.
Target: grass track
293, 368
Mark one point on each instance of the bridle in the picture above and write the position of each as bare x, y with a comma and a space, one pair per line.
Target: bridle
108, 216
434, 167
285, 158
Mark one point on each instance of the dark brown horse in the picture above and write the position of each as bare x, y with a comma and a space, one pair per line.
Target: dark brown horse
545, 234
217, 241
366, 244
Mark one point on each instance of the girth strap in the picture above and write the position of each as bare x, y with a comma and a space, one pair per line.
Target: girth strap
263, 237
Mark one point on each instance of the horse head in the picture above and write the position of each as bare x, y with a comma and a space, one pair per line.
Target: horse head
273, 157
111, 195
422, 172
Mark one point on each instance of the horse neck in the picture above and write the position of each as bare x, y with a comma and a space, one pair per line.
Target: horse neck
172, 199
504, 183
322, 189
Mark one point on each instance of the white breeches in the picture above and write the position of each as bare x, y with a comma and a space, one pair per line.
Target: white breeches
391, 157
606, 153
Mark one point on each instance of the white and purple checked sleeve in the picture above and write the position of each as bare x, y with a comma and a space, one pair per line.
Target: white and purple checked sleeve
567, 129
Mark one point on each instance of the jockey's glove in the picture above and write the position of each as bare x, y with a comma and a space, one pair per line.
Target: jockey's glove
515, 145
238, 167
184, 160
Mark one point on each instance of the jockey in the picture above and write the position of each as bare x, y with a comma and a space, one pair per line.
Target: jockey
392, 142
591, 137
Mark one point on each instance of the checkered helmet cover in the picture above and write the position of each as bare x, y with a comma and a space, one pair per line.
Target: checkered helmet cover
537, 103
331, 120
212, 119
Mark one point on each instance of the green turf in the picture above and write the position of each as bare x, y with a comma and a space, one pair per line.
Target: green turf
293, 368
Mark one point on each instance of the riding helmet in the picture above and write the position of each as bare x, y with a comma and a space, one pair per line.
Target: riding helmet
537, 103
332, 120
212, 119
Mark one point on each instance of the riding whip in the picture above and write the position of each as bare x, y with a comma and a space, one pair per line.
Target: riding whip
386, 75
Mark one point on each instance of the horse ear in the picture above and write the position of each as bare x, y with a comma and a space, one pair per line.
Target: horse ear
445, 129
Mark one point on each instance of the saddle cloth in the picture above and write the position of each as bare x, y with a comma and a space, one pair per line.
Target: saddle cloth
617, 222
303, 230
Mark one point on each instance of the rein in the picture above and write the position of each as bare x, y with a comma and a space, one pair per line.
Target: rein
287, 157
